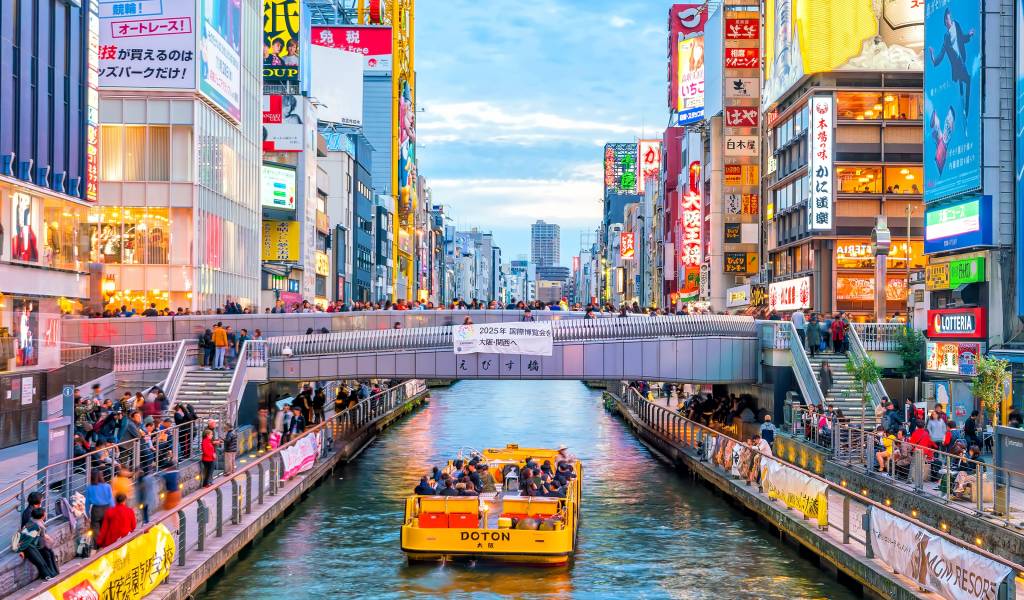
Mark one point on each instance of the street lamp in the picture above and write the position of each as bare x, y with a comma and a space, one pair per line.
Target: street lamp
881, 242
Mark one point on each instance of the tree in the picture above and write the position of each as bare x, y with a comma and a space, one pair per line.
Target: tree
988, 385
865, 372
911, 348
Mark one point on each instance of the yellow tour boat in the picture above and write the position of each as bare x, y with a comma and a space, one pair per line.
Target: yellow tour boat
502, 526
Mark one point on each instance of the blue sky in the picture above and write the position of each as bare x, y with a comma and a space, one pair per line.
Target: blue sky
519, 99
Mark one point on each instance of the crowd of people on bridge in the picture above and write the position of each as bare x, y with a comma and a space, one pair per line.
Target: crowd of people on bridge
473, 477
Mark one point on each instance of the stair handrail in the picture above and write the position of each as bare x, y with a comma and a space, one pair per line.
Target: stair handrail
857, 352
253, 354
176, 373
784, 336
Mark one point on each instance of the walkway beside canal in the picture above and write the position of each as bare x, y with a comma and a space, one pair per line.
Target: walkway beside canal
212, 525
840, 548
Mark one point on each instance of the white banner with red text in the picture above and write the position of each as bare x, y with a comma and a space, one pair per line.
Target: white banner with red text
300, 456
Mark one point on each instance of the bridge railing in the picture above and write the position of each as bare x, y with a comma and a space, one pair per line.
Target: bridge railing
253, 354
145, 357
562, 330
695, 439
782, 335
879, 337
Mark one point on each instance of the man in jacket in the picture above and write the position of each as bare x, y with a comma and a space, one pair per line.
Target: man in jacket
220, 344
230, 451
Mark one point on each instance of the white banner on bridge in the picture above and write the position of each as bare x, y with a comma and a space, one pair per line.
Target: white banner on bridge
533, 338
936, 564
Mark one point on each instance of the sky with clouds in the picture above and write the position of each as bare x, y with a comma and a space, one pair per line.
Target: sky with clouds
518, 100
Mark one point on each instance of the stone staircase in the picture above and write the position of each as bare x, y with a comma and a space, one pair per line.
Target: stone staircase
206, 391
843, 393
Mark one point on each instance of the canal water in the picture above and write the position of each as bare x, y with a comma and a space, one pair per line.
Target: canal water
646, 532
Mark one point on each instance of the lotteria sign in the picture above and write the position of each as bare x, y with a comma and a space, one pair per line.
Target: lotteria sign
957, 323
960, 225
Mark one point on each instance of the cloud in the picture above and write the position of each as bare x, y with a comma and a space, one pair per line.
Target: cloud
619, 22
486, 122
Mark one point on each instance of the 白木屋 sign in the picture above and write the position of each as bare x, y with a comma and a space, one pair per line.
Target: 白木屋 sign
505, 338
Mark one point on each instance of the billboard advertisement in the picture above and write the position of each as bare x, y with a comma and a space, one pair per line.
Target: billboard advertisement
957, 323
282, 24
277, 187
649, 154
790, 294
220, 54
952, 358
819, 212
960, 225
282, 124
627, 245
153, 47
952, 98
684, 21
372, 43
281, 241
620, 168
1019, 239
803, 37
690, 98
337, 84
406, 147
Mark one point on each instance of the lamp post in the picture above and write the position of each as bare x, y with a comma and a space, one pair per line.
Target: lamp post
910, 211
881, 242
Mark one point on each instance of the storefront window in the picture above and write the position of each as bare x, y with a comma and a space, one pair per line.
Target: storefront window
859, 106
859, 180
62, 246
857, 254
900, 107
903, 180
129, 236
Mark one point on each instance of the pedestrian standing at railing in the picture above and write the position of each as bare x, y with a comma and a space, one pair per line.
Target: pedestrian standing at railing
208, 457
220, 344
98, 498
230, 450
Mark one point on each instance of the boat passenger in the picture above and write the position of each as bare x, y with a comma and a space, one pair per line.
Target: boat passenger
448, 490
487, 480
546, 467
564, 454
474, 477
463, 489
424, 489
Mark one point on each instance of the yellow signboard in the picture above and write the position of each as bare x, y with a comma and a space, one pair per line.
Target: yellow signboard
936, 277
131, 571
281, 241
323, 264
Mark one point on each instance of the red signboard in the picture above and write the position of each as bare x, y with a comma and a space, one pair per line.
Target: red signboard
957, 323
742, 116
627, 245
690, 248
741, 29
742, 58
673, 143
684, 20
374, 43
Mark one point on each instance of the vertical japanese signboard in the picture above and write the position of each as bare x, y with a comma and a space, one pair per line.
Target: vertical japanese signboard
627, 245
690, 98
620, 168
649, 156
685, 21
220, 54
147, 45
691, 253
282, 23
819, 211
92, 114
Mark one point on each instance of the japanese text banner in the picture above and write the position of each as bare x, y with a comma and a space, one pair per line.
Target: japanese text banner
505, 338
131, 571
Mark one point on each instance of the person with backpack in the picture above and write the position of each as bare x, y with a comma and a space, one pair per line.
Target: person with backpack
206, 349
33, 544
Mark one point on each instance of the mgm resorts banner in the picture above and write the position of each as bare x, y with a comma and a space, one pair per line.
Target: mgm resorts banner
505, 338
934, 563
796, 490
131, 571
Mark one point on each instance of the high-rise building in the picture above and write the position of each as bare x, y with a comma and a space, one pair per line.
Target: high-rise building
178, 220
545, 240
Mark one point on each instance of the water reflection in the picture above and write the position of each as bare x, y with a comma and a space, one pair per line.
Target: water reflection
646, 530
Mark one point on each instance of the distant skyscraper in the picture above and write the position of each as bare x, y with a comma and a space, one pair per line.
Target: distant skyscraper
545, 244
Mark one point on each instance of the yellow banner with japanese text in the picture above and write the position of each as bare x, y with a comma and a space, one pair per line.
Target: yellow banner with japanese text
129, 572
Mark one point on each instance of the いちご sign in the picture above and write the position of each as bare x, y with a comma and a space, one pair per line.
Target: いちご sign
790, 295
505, 338
957, 323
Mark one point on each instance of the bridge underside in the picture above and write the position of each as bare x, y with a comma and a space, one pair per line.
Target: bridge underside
709, 359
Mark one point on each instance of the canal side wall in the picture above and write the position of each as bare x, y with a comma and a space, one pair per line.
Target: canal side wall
220, 553
833, 557
995, 536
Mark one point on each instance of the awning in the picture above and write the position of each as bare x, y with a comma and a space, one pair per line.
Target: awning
1008, 354
277, 269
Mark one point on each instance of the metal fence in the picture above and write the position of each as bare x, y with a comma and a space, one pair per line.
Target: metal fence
146, 357
696, 440
166, 449
97, 364
782, 335
879, 337
563, 331
259, 480
253, 354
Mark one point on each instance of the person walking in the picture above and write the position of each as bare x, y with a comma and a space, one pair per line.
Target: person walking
813, 335
839, 335
117, 523
262, 427
99, 497
319, 402
799, 321
825, 377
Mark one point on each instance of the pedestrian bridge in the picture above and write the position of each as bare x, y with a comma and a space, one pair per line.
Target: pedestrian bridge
693, 349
